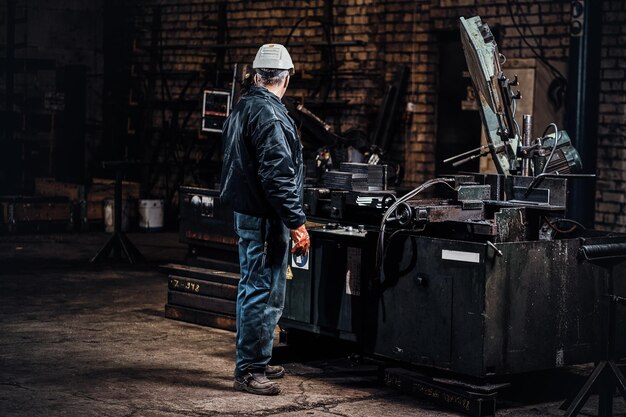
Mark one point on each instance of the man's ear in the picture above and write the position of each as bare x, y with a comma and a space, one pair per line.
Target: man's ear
286, 82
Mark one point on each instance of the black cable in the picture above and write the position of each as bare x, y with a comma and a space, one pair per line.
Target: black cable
552, 68
293, 29
389, 240
380, 245
553, 226
573, 222
331, 59
556, 229
528, 26
556, 141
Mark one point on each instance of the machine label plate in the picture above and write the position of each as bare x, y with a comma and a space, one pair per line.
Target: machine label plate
460, 256
300, 262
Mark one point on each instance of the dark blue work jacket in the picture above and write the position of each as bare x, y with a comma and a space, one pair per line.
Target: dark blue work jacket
262, 173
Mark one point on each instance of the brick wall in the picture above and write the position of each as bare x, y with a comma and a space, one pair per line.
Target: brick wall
395, 33
611, 185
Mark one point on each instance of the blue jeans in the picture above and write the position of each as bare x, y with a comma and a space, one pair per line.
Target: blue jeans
263, 245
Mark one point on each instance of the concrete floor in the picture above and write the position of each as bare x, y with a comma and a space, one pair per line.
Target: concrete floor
78, 340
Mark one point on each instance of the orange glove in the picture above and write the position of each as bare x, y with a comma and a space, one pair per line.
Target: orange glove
301, 241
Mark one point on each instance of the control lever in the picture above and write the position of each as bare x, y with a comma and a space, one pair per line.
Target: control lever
471, 155
495, 248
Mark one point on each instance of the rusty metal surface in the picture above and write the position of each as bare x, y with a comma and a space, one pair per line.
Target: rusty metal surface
511, 225
535, 307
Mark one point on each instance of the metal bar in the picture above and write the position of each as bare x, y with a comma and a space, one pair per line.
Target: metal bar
495, 248
117, 218
619, 379
527, 128
610, 322
470, 158
579, 401
106, 249
118, 200
470, 152
291, 44
121, 244
255, 46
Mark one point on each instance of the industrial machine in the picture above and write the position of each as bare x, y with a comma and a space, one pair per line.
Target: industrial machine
479, 274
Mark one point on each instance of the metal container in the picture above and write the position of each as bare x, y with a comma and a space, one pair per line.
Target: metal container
150, 215
461, 306
109, 214
327, 293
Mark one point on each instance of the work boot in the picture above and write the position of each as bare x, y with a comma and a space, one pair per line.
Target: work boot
274, 372
256, 384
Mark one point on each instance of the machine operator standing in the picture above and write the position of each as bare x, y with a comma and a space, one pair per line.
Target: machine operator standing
262, 180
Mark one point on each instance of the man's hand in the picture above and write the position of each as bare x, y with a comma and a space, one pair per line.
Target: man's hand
301, 241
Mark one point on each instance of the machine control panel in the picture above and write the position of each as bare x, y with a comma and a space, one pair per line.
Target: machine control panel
344, 230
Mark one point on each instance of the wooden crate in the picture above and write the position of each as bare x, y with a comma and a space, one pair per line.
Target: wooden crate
49, 187
87, 202
27, 212
105, 188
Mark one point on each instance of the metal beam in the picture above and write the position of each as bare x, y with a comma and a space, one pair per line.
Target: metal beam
582, 101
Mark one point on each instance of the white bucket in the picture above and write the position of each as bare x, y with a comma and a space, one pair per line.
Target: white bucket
150, 215
109, 215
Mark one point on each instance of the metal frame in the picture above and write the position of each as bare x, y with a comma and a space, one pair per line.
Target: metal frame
206, 94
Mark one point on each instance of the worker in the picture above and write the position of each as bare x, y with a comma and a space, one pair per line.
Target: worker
262, 180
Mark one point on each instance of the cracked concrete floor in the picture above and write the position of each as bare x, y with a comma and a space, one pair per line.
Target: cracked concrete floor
82, 340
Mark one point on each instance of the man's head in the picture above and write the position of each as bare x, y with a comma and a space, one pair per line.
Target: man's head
273, 67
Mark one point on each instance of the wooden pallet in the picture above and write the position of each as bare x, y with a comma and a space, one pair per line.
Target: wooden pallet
20, 213
204, 274
202, 287
49, 187
201, 302
202, 295
205, 318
